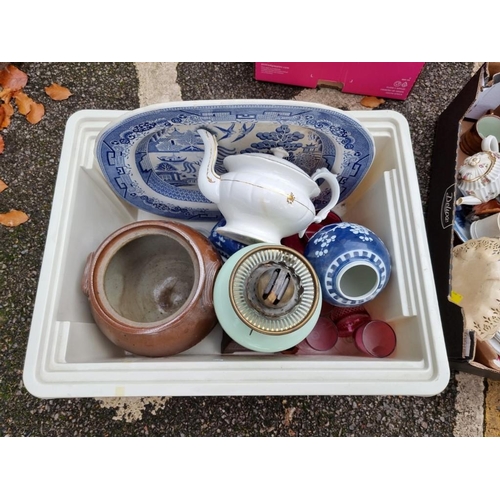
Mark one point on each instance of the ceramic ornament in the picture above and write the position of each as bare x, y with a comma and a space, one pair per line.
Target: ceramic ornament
351, 261
475, 285
263, 197
479, 178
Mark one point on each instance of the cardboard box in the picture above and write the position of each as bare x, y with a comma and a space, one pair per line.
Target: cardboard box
482, 93
380, 79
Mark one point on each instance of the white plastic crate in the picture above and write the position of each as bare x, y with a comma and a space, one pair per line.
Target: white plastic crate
67, 355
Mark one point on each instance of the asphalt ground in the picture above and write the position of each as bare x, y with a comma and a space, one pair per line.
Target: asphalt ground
29, 167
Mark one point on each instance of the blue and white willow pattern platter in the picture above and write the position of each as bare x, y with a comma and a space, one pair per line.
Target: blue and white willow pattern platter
151, 156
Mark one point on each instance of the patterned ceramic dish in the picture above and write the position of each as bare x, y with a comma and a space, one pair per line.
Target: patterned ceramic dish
150, 156
461, 225
463, 218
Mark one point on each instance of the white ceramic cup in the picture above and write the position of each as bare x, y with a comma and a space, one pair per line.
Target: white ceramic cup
489, 125
487, 227
490, 143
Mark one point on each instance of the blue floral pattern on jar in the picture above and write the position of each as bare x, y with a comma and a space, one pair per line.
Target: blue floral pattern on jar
340, 246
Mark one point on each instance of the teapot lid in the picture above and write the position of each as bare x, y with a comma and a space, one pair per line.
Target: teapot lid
274, 290
477, 166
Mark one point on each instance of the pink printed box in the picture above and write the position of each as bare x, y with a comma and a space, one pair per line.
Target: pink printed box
380, 79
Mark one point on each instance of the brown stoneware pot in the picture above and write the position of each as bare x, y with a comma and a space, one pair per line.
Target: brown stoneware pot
150, 287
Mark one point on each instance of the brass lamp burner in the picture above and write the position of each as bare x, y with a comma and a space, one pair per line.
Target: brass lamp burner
274, 290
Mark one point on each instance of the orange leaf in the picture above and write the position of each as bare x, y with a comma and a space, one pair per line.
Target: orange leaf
13, 78
13, 218
57, 93
2, 147
371, 102
5, 95
3, 186
8, 111
23, 102
36, 112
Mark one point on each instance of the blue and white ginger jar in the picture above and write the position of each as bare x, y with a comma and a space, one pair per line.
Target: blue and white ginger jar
224, 245
352, 263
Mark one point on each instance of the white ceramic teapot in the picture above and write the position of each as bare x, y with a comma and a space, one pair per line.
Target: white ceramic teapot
263, 197
479, 176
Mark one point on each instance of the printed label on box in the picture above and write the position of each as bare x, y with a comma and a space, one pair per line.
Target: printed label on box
399, 88
274, 69
447, 207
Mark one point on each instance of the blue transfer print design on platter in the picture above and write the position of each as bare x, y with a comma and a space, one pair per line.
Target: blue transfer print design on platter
151, 156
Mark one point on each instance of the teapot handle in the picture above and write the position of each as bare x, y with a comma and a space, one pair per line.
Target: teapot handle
331, 179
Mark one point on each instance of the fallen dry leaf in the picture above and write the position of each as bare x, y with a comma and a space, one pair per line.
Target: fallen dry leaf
13, 78
13, 218
23, 102
371, 102
2, 147
36, 112
57, 92
8, 111
3, 186
5, 95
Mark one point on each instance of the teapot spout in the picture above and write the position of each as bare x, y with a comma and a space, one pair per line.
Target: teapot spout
208, 179
468, 200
